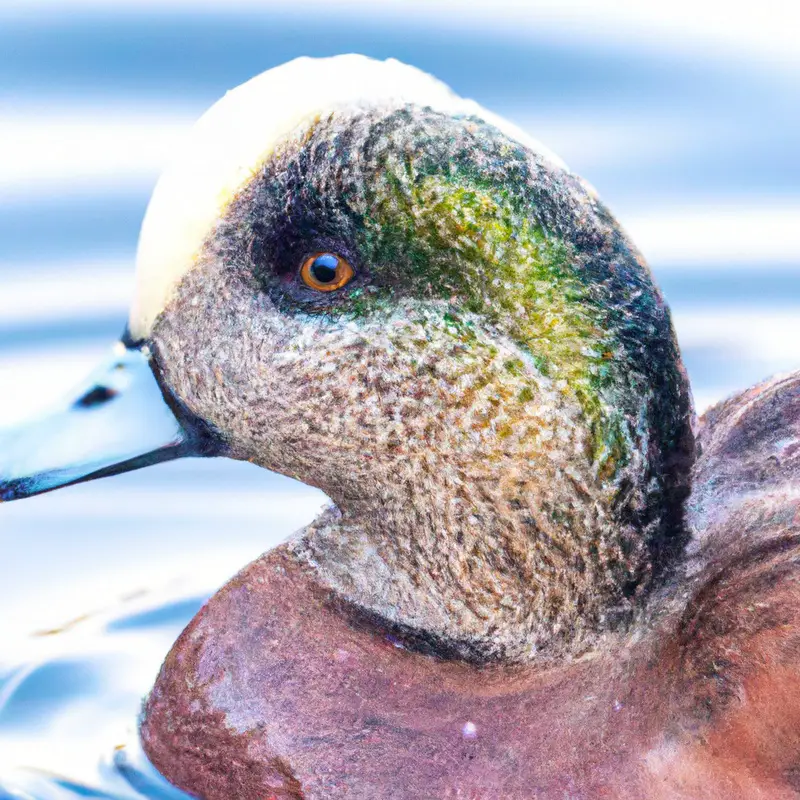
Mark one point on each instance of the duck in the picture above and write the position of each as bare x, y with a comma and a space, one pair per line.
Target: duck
539, 575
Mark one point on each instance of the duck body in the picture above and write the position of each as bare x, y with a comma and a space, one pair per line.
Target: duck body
312, 700
300, 695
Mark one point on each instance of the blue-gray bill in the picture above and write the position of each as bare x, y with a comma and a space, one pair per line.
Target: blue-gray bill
119, 420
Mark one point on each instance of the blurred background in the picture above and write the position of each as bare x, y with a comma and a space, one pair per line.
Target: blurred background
684, 115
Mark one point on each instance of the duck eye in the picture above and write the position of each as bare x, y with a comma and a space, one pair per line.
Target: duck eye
326, 272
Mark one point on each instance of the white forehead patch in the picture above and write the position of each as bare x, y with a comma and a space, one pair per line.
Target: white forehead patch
238, 133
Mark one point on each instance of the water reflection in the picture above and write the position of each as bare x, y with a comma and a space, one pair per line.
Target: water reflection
68, 713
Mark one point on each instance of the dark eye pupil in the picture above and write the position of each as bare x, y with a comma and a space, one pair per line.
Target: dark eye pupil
324, 268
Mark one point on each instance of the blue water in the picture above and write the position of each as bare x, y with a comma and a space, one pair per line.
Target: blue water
99, 579
68, 714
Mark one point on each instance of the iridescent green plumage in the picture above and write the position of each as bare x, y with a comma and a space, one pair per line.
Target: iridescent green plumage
451, 209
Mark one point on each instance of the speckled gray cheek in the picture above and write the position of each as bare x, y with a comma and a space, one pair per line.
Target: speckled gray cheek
404, 438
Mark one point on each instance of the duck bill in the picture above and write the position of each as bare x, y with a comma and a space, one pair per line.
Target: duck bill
119, 420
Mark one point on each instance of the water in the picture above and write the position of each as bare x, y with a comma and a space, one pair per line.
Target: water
77, 661
68, 711
695, 151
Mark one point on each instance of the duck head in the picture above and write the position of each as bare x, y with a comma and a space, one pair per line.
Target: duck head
353, 277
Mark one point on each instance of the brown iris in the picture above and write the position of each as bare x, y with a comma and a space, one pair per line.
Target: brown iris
326, 272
